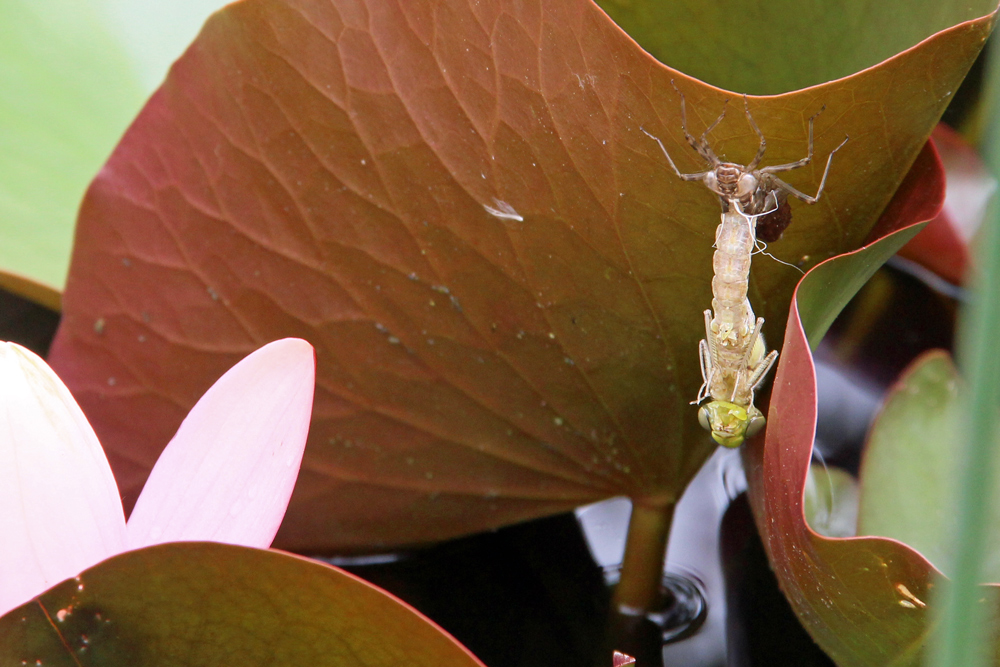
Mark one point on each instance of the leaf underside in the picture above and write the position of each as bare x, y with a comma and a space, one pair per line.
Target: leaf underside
453, 202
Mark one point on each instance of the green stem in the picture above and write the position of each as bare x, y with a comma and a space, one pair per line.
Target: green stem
638, 589
962, 639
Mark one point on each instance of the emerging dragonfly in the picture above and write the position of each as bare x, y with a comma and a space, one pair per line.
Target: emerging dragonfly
733, 355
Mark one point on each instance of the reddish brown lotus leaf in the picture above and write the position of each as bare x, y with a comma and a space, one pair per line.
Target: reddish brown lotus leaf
855, 595
454, 203
203, 603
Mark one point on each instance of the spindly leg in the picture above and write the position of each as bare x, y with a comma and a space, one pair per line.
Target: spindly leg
763, 142
745, 361
801, 195
700, 145
707, 370
686, 177
760, 371
809, 154
705, 357
712, 346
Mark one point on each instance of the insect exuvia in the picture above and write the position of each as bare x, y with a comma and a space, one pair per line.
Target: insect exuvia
734, 358
759, 191
733, 355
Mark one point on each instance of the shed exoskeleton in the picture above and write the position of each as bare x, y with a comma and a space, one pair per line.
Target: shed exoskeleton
733, 355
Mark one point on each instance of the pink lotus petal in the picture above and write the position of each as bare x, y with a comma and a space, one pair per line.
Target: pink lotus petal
228, 473
60, 511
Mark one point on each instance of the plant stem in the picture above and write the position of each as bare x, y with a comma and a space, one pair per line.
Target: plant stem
962, 639
638, 589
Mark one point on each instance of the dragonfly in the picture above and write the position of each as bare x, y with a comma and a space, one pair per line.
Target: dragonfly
733, 355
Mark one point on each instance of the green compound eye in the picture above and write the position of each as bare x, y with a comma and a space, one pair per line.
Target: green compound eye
756, 425
704, 418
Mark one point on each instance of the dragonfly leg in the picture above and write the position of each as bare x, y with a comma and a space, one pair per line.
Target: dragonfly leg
745, 362
760, 371
707, 371
684, 177
763, 142
801, 195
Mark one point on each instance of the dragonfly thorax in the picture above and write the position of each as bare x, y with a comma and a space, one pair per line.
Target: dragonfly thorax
731, 181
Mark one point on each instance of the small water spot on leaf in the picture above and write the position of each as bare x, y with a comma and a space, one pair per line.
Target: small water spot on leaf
212, 293
552, 335
429, 475
393, 340
441, 289
126, 262
112, 381
99, 326
503, 211
558, 421
413, 276
141, 338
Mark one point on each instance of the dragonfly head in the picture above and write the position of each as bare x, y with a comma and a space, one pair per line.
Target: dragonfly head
729, 423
